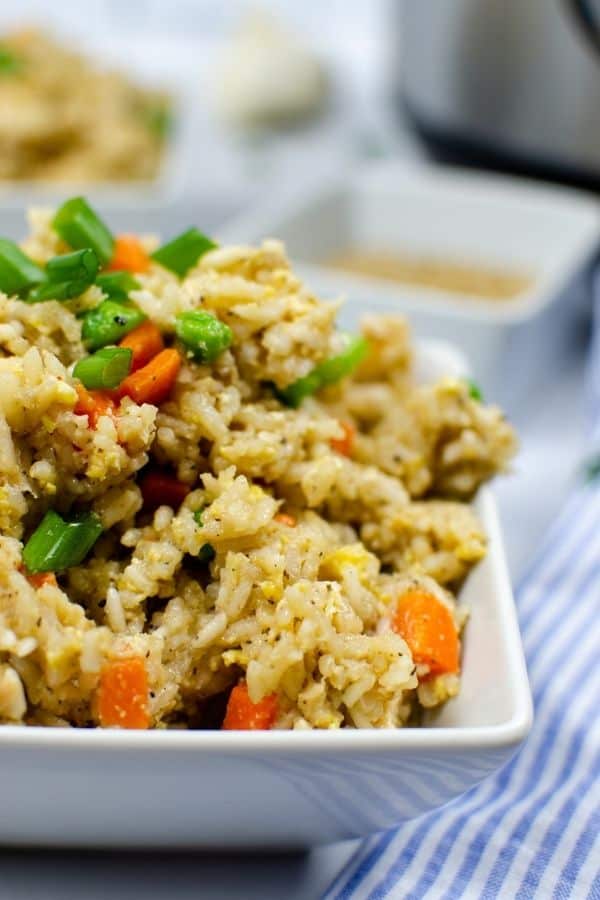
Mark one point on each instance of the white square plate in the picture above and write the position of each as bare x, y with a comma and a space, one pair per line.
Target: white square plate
99, 788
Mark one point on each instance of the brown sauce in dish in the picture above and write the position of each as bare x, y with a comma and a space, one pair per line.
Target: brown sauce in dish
435, 273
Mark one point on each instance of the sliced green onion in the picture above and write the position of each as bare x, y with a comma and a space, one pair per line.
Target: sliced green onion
343, 364
109, 322
328, 372
184, 251
117, 285
50, 291
57, 544
206, 553
105, 369
80, 227
9, 63
203, 334
67, 276
158, 119
17, 271
80, 265
295, 393
475, 392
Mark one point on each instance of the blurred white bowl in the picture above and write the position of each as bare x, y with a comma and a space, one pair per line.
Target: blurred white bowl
280, 789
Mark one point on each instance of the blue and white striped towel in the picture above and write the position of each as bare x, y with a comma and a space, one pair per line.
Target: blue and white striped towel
533, 830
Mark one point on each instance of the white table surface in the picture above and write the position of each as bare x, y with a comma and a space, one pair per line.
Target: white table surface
57, 875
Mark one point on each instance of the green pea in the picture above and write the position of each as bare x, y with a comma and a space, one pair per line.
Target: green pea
203, 334
109, 322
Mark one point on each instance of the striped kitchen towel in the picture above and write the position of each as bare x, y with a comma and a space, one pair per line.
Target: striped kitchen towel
533, 830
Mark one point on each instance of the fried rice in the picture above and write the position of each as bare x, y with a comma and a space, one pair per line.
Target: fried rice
316, 519
63, 119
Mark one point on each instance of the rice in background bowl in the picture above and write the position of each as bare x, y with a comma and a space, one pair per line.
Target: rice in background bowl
63, 119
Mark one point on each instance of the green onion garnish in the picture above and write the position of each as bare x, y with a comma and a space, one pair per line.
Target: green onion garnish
105, 369
328, 372
81, 228
117, 285
475, 392
109, 322
80, 265
9, 63
17, 271
203, 334
295, 393
57, 544
184, 251
158, 119
206, 553
67, 276
343, 364
50, 291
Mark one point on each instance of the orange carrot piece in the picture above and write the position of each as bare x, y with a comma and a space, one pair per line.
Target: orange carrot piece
162, 489
145, 342
93, 404
428, 628
244, 715
123, 694
129, 255
39, 579
344, 444
285, 519
153, 382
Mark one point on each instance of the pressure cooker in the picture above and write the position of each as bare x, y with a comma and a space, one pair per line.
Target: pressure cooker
514, 84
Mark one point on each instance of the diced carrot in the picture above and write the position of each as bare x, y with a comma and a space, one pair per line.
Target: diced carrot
428, 628
129, 255
42, 578
123, 694
93, 404
145, 342
344, 444
244, 715
162, 489
286, 519
153, 382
